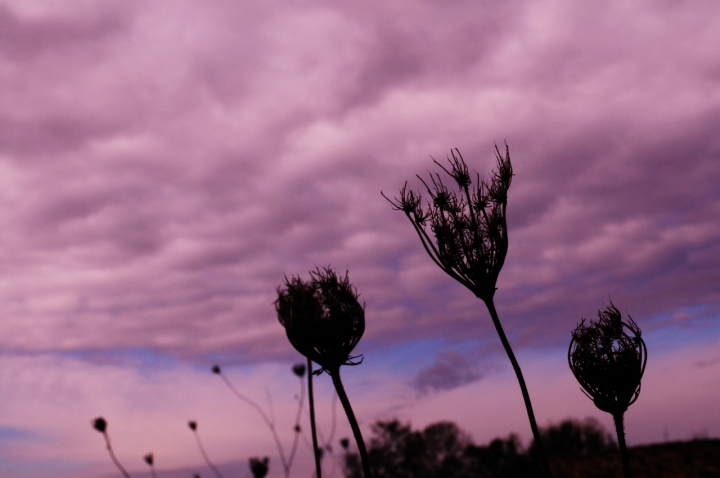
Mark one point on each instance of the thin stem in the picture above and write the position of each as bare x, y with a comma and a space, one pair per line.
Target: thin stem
526, 396
311, 397
620, 430
152, 471
205, 457
297, 429
335, 374
112, 456
267, 421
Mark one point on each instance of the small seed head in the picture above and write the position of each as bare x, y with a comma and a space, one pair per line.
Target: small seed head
608, 358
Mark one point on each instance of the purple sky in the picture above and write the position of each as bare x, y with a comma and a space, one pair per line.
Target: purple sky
163, 164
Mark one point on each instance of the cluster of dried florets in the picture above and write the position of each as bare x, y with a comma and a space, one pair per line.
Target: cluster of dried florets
323, 318
608, 358
468, 224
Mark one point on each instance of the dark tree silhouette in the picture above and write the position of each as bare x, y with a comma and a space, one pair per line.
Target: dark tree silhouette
464, 232
441, 450
572, 438
324, 321
100, 425
608, 358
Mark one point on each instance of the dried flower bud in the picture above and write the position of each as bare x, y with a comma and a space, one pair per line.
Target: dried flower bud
345, 443
297, 428
193, 425
148, 459
322, 318
608, 358
216, 369
299, 369
258, 467
100, 424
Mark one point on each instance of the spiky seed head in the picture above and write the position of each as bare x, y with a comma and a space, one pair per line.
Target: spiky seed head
608, 358
216, 369
299, 369
345, 443
323, 318
193, 425
100, 424
464, 229
149, 459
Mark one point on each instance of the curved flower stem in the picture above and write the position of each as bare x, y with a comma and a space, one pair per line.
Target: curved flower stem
205, 456
269, 423
296, 440
620, 430
335, 374
112, 456
311, 398
152, 471
526, 396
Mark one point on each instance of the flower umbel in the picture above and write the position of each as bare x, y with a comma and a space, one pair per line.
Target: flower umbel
468, 224
323, 318
608, 358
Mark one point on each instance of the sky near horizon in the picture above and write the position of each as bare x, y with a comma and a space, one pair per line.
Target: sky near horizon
164, 164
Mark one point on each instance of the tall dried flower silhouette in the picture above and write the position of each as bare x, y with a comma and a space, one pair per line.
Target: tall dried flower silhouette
285, 461
464, 231
259, 467
150, 460
608, 358
100, 424
324, 321
193, 426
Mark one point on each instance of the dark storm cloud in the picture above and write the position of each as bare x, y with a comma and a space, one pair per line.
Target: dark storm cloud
162, 168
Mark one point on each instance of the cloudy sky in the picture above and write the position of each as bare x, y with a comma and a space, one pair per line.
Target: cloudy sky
164, 164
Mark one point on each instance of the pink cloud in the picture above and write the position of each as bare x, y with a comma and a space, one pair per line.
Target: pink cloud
162, 165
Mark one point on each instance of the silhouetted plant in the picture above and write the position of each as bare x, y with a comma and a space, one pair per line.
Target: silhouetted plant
259, 467
193, 426
286, 463
299, 370
150, 461
324, 321
608, 358
464, 232
100, 425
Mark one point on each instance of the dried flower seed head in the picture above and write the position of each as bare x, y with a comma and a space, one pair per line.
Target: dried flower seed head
467, 231
100, 424
258, 467
216, 369
322, 318
193, 425
148, 459
345, 443
608, 358
299, 369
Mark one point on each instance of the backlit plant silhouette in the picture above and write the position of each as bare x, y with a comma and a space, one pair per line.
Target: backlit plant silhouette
259, 467
151, 463
464, 231
100, 425
286, 462
608, 358
324, 321
193, 426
